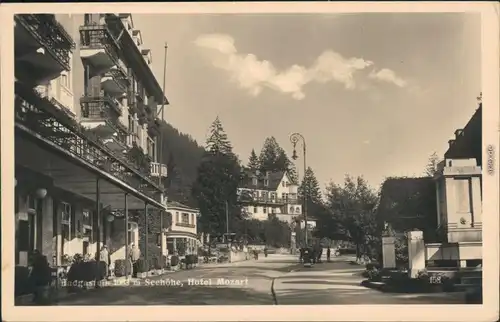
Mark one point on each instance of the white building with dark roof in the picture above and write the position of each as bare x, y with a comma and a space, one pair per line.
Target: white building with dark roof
270, 193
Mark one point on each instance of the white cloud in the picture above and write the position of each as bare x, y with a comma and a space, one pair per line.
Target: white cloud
253, 74
387, 75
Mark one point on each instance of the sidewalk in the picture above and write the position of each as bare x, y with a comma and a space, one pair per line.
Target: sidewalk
62, 294
256, 290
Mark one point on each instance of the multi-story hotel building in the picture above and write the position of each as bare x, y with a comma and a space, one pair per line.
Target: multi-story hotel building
86, 133
270, 193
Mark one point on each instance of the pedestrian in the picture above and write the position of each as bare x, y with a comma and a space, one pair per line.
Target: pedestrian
328, 253
105, 258
320, 253
135, 254
40, 277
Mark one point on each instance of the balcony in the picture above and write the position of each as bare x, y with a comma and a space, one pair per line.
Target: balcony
42, 47
98, 47
115, 81
37, 116
156, 168
249, 199
101, 114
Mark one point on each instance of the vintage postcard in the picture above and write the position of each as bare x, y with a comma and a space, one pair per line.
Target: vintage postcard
250, 161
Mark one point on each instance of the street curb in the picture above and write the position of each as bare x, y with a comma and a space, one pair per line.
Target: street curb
273, 293
386, 288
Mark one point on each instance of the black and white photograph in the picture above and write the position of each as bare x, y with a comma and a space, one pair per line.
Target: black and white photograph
224, 157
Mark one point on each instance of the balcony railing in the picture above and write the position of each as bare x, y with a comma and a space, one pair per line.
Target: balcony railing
39, 115
92, 105
103, 108
119, 77
97, 36
181, 224
50, 34
156, 167
267, 200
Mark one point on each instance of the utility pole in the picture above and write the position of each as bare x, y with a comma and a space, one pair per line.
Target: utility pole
160, 147
295, 138
227, 222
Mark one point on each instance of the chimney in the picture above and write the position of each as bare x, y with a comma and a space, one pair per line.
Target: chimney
450, 142
458, 133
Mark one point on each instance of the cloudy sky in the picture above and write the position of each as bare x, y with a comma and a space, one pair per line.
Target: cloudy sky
373, 94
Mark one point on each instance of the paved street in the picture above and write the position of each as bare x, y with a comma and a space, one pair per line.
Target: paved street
339, 283
251, 282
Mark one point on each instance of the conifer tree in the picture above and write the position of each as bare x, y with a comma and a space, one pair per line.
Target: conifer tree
273, 158
253, 161
310, 187
215, 188
217, 142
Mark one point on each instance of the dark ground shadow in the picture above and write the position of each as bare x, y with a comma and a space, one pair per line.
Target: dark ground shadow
167, 295
320, 282
352, 297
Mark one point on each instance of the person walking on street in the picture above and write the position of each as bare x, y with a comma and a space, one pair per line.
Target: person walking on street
135, 254
104, 256
328, 253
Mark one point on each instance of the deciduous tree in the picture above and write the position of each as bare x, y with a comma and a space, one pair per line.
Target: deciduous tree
353, 206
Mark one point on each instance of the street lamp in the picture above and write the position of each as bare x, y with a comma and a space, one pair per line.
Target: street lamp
295, 138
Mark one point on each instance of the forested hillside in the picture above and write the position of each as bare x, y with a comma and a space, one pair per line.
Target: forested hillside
182, 154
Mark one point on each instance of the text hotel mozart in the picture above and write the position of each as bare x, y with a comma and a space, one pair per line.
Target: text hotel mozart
197, 282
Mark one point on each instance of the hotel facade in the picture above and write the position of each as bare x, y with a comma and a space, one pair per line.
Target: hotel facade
86, 137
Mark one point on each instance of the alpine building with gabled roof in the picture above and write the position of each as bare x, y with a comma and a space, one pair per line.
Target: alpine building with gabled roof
263, 195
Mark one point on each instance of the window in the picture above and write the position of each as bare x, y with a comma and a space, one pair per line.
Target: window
65, 227
65, 213
151, 148
273, 210
283, 184
292, 210
265, 209
86, 218
65, 80
131, 124
266, 182
29, 228
192, 219
185, 218
297, 210
254, 210
254, 181
177, 217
